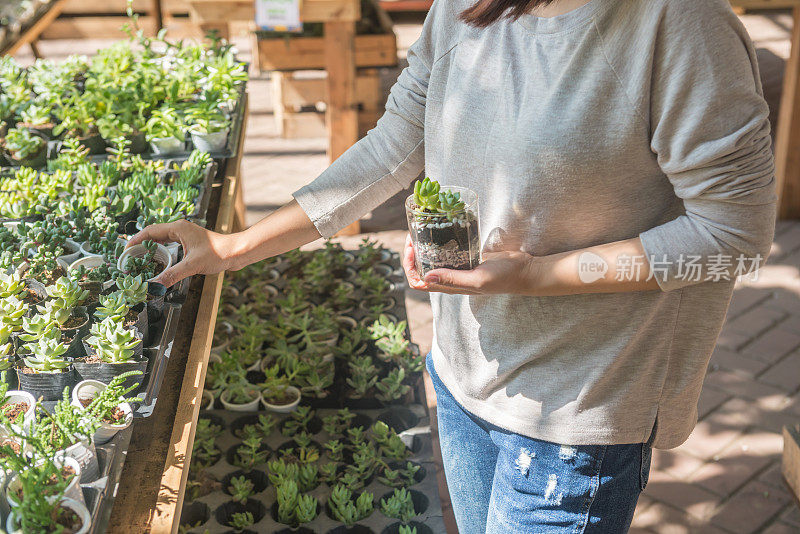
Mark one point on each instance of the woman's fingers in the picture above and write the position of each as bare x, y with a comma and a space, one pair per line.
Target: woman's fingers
410, 266
160, 233
176, 273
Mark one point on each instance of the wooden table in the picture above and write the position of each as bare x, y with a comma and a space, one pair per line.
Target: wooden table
30, 35
153, 481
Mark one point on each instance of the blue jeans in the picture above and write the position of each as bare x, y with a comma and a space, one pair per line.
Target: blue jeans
501, 482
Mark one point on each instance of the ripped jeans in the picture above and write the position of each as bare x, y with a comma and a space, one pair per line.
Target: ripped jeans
501, 482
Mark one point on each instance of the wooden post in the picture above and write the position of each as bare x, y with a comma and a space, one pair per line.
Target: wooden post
787, 137
158, 11
341, 113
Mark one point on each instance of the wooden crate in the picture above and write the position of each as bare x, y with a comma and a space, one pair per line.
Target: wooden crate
294, 96
109, 27
308, 53
106, 7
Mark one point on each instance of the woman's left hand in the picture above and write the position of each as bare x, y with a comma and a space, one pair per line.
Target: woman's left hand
500, 273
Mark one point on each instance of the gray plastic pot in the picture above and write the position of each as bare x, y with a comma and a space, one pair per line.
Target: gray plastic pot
210, 142
105, 372
163, 146
48, 386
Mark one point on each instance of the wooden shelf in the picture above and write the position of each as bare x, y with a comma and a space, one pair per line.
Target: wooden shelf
150, 493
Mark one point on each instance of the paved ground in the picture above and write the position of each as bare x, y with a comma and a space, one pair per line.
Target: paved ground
726, 477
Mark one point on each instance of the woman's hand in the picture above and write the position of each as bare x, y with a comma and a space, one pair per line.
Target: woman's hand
204, 252
515, 272
500, 272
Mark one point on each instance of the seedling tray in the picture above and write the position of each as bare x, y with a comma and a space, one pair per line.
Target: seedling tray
411, 423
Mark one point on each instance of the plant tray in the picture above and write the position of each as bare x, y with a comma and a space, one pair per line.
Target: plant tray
411, 423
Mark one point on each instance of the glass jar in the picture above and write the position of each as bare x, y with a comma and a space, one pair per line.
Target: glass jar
445, 241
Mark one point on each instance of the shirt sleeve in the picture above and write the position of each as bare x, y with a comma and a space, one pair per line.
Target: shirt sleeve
385, 161
711, 134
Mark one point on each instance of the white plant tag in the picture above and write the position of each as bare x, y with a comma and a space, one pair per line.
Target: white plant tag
278, 15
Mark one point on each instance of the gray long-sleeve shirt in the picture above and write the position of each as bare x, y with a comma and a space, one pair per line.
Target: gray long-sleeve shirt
622, 118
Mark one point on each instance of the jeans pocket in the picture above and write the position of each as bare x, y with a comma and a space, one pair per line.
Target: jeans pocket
644, 470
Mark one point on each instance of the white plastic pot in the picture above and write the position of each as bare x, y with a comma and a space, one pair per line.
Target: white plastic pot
249, 293
137, 251
166, 145
72, 251
285, 408
210, 142
13, 528
85, 252
251, 406
30, 414
227, 328
86, 455
91, 262
207, 402
87, 389
73, 490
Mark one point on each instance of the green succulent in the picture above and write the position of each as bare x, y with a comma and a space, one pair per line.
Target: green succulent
67, 293
133, 288
426, 194
114, 306
112, 341
46, 356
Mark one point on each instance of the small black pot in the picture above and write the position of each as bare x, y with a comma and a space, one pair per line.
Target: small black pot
139, 143
155, 301
36, 161
11, 378
94, 143
105, 372
48, 386
76, 334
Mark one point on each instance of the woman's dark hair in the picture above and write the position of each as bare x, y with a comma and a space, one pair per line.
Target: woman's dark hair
485, 12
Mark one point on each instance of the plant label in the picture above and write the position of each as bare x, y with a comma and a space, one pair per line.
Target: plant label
278, 15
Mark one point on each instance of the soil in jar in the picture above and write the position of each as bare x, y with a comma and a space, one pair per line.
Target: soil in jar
442, 243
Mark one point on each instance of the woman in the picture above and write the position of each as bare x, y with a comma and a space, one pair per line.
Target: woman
621, 153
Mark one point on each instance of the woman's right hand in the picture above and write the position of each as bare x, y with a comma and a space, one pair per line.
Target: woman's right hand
204, 251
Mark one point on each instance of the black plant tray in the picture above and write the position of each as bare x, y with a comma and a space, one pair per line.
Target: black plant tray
413, 426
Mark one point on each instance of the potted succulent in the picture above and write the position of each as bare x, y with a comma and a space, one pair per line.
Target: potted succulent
38, 119
279, 396
444, 226
17, 408
111, 351
45, 372
67, 431
240, 396
147, 259
23, 148
208, 127
342, 507
165, 131
38, 515
55, 478
107, 403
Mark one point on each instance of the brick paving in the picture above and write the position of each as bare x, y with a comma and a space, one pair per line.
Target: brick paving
726, 477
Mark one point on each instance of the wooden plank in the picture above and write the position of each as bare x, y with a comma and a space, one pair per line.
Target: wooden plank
790, 466
308, 53
32, 34
787, 136
312, 123
244, 10
109, 27
295, 93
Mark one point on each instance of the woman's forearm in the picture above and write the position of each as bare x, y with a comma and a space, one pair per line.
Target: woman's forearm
616, 267
286, 229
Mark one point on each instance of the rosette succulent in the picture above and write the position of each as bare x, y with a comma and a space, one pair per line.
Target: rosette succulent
112, 342
46, 356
